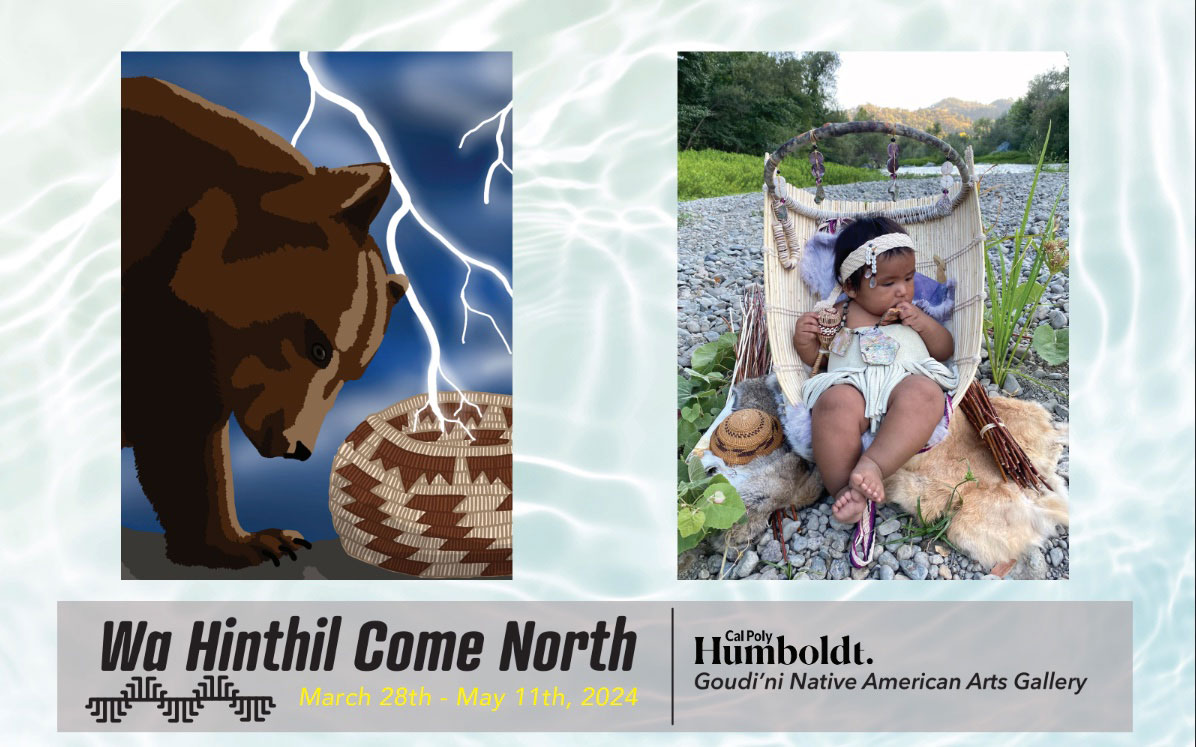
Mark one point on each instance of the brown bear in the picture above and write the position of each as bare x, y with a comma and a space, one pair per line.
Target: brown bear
250, 288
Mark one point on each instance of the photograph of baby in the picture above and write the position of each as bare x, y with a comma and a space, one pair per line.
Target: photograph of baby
872, 315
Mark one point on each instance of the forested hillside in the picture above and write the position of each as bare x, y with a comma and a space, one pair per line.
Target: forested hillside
948, 115
751, 102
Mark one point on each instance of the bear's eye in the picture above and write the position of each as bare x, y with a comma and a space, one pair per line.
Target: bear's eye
319, 354
319, 349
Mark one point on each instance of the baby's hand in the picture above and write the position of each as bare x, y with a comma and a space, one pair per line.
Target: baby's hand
805, 331
912, 316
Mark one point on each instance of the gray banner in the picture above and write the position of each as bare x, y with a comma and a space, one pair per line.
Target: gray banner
594, 666
906, 666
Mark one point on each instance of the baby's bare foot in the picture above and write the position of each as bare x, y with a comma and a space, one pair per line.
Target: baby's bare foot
867, 479
849, 506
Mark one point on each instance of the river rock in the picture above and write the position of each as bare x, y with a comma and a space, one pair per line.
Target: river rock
746, 564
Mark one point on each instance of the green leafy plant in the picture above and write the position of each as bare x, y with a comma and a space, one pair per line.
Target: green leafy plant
702, 394
1051, 344
704, 504
1015, 295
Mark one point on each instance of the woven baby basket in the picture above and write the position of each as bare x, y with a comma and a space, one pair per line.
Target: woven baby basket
947, 226
410, 498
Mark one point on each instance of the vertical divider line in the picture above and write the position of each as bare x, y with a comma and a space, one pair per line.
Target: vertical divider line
672, 665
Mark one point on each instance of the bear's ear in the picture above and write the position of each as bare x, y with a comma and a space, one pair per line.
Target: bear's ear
396, 286
352, 195
361, 190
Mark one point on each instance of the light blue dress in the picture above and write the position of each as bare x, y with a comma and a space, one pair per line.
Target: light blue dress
876, 382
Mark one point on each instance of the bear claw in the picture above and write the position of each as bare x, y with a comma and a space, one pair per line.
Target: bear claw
249, 549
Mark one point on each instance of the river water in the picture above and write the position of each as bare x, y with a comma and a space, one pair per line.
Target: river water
981, 168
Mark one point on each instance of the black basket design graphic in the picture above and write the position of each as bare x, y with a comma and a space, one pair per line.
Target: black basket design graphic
212, 688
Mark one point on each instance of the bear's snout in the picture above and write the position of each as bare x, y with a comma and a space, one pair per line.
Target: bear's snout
301, 452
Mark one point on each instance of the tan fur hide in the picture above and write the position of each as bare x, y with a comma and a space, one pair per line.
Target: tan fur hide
998, 520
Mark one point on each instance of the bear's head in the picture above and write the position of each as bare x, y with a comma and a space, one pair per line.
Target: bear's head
296, 295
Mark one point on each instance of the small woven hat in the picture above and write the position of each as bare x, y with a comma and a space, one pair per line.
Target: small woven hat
410, 498
745, 435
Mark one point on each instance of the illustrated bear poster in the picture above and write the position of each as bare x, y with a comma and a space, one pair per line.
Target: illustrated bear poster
310, 245
303, 292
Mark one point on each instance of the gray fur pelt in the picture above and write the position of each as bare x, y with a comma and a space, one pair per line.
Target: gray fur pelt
763, 393
768, 483
778, 480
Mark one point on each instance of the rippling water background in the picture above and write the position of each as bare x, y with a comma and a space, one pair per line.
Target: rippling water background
594, 205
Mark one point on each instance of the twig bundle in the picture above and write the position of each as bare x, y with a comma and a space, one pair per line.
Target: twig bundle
1011, 460
752, 358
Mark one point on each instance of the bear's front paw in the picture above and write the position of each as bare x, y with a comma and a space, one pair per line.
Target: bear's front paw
252, 548
272, 544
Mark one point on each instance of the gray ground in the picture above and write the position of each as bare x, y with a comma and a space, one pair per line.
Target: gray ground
719, 255
143, 556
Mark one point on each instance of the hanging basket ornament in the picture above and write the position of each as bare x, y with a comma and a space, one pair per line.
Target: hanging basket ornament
945, 182
817, 170
894, 152
783, 233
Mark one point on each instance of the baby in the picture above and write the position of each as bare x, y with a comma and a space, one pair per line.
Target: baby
885, 372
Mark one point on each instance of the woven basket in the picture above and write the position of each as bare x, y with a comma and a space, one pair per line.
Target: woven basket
956, 237
412, 499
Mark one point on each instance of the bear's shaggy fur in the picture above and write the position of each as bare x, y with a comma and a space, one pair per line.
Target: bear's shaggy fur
250, 289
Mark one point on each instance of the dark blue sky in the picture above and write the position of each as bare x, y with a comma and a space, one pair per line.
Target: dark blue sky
421, 104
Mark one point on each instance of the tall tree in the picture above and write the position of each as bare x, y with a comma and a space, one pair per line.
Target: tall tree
1024, 126
750, 102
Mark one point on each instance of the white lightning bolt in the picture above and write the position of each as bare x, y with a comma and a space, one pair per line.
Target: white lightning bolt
501, 116
434, 368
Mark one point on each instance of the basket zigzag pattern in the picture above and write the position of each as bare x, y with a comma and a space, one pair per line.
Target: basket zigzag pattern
410, 498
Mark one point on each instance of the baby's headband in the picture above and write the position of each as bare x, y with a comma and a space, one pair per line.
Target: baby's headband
864, 255
867, 252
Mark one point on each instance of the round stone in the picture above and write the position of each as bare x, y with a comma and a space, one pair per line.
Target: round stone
817, 568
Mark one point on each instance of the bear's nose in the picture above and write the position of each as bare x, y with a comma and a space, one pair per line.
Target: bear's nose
301, 452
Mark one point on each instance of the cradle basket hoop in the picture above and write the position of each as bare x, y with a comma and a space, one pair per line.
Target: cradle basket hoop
955, 235
906, 214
